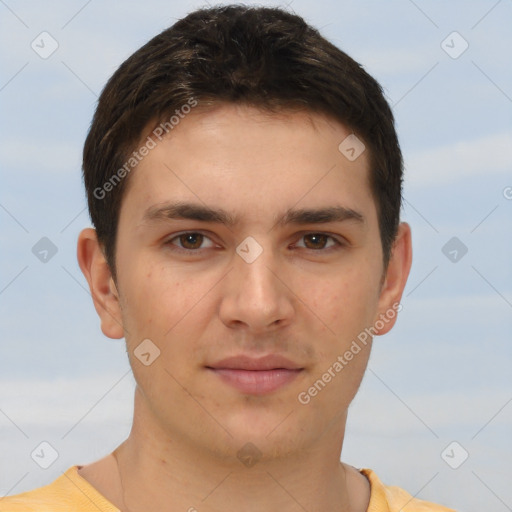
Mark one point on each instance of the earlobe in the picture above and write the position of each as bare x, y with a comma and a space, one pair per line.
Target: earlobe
395, 279
103, 289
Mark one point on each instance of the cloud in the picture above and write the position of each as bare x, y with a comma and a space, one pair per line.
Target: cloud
33, 156
452, 162
61, 403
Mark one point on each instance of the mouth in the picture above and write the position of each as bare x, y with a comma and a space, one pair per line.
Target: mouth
256, 376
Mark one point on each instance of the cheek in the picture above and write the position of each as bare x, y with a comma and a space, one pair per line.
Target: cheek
344, 303
163, 306
144, 296
346, 307
162, 302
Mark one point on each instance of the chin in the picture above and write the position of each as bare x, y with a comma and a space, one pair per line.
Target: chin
274, 435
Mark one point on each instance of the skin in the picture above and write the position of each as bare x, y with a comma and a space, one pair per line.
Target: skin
304, 297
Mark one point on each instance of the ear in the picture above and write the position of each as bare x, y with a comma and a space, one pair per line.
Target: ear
104, 293
395, 278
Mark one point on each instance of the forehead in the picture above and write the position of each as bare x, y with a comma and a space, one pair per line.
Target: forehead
251, 159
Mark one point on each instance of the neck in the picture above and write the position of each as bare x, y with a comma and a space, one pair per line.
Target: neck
158, 472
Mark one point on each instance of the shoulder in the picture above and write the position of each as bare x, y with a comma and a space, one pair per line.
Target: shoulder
68, 493
385, 498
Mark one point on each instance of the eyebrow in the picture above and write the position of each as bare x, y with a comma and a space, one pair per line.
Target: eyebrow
192, 211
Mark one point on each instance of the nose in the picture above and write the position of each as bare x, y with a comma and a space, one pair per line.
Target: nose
256, 296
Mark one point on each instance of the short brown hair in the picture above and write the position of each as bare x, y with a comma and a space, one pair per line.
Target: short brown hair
259, 56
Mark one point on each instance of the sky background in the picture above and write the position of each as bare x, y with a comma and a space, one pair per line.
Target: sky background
442, 375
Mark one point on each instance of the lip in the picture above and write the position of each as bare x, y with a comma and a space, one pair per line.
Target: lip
268, 362
256, 376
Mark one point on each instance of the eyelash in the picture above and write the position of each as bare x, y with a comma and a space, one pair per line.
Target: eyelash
336, 246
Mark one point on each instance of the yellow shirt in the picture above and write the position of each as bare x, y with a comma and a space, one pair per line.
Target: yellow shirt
72, 493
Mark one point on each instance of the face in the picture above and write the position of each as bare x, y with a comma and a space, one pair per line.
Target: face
248, 253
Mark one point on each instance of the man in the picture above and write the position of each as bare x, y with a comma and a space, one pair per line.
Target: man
244, 180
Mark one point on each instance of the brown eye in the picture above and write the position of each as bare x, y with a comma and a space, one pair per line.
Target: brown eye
316, 240
190, 241
319, 242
